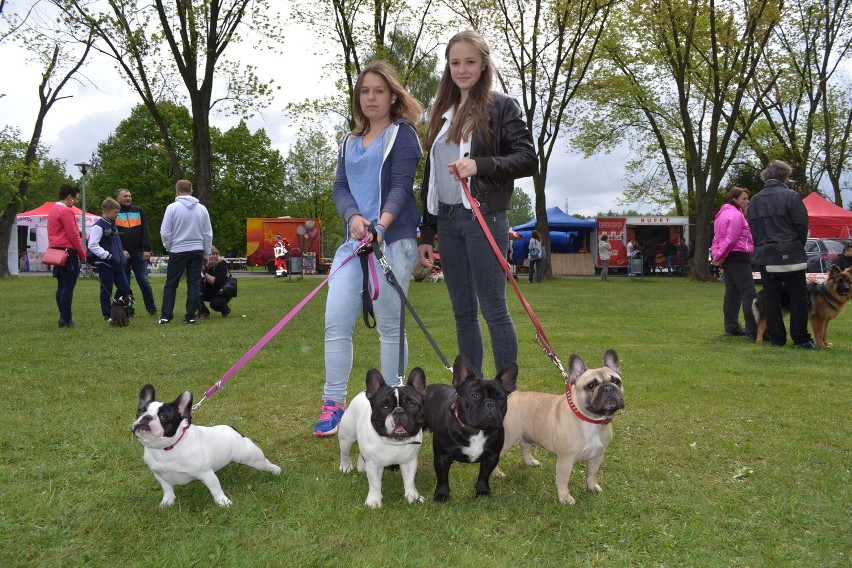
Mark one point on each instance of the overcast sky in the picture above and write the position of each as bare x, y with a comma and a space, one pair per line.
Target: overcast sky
76, 125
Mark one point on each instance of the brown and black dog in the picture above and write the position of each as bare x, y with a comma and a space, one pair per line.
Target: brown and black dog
825, 302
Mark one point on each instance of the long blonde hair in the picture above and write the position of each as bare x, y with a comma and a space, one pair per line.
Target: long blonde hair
476, 108
405, 106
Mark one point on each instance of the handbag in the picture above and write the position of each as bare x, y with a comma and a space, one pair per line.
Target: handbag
229, 288
54, 256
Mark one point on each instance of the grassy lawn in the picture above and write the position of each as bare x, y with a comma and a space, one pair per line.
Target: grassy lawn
728, 453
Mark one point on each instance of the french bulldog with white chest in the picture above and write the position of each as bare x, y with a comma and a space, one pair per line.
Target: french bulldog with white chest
387, 422
179, 452
466, 420
576, 426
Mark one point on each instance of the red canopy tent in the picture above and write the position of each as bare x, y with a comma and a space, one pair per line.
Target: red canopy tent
826, 220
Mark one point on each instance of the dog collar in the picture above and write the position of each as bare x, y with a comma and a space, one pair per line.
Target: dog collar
185, 428
576, 410
455, 410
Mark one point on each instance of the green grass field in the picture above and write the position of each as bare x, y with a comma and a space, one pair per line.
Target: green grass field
728, 453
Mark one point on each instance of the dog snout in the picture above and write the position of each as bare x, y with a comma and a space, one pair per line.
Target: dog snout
490, 404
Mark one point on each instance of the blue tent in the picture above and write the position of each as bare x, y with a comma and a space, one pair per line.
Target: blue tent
566, 233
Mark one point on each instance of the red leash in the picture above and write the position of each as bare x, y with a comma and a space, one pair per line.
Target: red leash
540, 336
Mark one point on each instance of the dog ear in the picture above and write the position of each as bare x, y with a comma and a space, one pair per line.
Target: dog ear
184, 405
417, 379
462, 371
146, 395
375, 381
508, 377
611, 360
576, 368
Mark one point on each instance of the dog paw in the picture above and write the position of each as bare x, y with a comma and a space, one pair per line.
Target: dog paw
567, 499
346, 468
412, 497
498, 473
594, 487
373, 502
275, 469
441, 497
167, 502
483, 490
223, 501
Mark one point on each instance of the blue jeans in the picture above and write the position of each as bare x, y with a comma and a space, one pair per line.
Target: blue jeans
66, 278
536, 268
139, 265
343, 309
107, 276
475, 278
179, 262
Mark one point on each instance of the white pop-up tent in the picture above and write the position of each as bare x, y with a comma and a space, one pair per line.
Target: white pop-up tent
36, 222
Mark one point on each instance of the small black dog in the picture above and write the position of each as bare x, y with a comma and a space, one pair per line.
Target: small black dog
119, 314
466, 420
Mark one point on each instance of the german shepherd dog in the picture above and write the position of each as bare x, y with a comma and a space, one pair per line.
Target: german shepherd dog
119, 314
825, 302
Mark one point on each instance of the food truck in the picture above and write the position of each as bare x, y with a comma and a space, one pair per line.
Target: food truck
653, 230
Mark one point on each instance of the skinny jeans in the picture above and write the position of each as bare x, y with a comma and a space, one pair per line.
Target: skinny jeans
739, 293
66, 279
475, 279
343, 310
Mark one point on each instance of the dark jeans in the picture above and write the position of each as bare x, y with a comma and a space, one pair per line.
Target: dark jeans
605, 269
66, 278
180, 262
796, 286
139, 265
475, 278
536, 268
739, 293
107, 276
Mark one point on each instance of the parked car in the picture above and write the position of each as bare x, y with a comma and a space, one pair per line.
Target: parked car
822, 252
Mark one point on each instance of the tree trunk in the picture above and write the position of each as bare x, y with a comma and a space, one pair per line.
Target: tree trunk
202, 150
539, 180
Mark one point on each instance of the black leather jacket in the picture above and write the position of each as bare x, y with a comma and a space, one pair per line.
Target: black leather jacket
510, 156
776, 214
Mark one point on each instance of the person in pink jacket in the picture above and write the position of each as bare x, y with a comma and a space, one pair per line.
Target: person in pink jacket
731, 249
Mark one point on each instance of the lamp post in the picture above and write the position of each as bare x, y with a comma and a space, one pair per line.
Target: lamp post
84, 167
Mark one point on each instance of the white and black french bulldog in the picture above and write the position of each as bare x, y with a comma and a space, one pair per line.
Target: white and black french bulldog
179, 452
466, 420
119, 313
576, 426
387, 422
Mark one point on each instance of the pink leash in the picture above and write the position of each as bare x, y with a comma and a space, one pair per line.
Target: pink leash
218, 385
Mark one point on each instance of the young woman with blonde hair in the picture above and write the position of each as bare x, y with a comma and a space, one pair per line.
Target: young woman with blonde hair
483, 134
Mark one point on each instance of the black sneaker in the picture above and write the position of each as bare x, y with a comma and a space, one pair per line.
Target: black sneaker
152, 311
164, 321
189, 321
806, 345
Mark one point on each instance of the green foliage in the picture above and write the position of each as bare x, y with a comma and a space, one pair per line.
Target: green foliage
248, 181
718, 460
522, 208
133, 157
310, 169
45, 175
12, 153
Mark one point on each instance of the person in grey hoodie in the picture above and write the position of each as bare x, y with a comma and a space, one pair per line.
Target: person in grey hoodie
187, 237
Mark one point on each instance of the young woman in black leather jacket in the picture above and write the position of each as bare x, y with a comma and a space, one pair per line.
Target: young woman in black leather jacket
484, 135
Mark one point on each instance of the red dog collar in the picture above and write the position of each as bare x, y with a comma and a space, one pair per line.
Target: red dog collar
576, 410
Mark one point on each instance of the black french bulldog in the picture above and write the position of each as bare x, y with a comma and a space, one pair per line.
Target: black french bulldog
466, 420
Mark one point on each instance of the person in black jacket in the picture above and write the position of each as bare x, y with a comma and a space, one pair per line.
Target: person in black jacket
483, 134
779, 225
133, 229
212, 279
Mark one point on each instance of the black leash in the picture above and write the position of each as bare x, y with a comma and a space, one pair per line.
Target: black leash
404, 303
